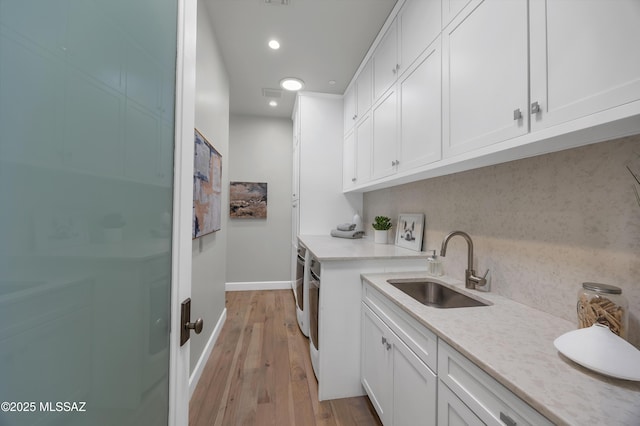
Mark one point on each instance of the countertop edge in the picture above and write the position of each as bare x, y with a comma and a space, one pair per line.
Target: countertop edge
484, 365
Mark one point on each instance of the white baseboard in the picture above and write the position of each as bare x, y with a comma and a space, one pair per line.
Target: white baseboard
202, 361
258, 285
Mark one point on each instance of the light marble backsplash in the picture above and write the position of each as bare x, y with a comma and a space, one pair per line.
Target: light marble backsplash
542, 225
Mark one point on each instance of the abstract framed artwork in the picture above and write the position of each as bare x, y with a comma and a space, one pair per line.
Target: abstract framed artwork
409, 231
207, 187
248, 200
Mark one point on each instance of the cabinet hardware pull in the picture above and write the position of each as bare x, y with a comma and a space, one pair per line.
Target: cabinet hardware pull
507, 420
535, 108
517, 114
384, 340
353, 179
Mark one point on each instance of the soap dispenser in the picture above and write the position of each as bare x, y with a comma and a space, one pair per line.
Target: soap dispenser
434, 265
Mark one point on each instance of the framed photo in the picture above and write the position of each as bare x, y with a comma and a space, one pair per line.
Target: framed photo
248, 200
409, 231
207, 188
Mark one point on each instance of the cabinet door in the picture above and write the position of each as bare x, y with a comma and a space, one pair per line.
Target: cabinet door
385, 61
414, 388
581, 58
295, 178
349, 161
451, 8
384, 157
376, 367
364, 94
485, 76
420, 23
349, 108
364, 139
452, 411
420, 111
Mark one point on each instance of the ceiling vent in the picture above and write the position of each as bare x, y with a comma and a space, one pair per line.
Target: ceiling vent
278, 2
272, 93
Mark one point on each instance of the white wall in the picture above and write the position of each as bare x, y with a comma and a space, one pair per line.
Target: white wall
543, 225
212, 120
260, 150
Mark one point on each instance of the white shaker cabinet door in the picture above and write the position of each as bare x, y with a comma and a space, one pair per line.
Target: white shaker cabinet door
420, 23
485, 76
584, 58
414, 388
420, 111
452, 411
385, 62
364, 138
349, 108
349, 161
385, 135
364, 92
451, 8
376, 368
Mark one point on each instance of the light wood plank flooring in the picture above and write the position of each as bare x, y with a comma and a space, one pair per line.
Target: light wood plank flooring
260, 373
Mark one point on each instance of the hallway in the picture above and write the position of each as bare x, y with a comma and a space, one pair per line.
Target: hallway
259, 372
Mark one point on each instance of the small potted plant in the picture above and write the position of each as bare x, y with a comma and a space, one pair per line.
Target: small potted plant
381, 226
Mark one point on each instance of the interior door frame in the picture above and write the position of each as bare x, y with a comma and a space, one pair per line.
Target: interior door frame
182, 207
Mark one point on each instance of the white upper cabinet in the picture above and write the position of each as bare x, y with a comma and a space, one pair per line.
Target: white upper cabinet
485, 76
384, 155
358, 98
420, 23
349, 161
385, 61
420, 111
493, 81
364, 139
584, 58
349, 108
364, 94
357, 154
451, 8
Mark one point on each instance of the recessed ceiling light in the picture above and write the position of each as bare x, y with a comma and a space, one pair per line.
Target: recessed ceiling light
274, 44
291, 83
332, 82
273, 103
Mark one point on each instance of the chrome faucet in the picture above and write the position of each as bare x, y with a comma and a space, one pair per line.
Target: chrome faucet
471, 280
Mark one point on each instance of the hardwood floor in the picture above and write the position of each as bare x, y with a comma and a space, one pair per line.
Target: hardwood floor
260, 373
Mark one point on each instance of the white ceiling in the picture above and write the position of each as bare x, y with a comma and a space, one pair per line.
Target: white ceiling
321, 40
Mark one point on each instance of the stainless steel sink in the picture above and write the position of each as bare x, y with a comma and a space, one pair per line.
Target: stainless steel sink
434, 294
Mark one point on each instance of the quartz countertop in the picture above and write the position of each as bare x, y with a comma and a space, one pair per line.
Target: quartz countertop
514, 344
328, 248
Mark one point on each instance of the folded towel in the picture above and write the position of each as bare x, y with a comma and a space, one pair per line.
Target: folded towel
347, 234
346, 227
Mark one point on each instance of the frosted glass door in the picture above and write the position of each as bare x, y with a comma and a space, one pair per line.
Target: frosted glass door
86, 109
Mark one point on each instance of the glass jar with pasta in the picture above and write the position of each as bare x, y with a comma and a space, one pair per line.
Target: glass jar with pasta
603, 304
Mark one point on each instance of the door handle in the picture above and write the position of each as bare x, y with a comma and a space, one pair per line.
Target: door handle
186, 324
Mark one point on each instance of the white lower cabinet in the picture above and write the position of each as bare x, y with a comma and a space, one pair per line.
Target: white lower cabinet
414, 388
376, 363
452, 411
400, 386
398, 372
490, 401
398, 363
